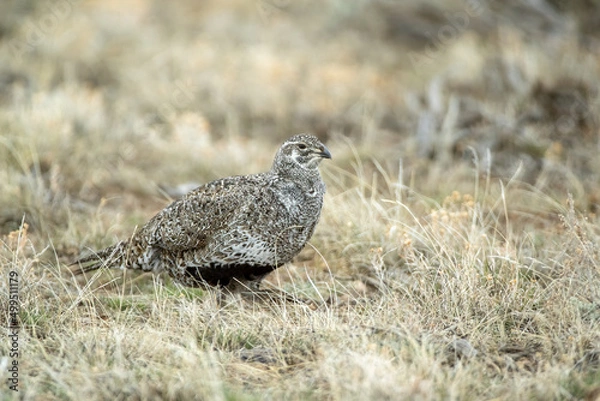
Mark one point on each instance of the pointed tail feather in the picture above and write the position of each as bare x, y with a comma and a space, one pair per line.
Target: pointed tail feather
107, 257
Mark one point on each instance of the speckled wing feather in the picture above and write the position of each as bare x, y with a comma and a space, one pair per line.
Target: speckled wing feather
191, 222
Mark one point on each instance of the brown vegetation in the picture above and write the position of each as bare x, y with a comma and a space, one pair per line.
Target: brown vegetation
457, 255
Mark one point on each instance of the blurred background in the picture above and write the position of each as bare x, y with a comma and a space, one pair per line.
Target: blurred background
130, 100
457, 253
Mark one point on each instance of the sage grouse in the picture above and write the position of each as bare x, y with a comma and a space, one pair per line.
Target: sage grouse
241, 227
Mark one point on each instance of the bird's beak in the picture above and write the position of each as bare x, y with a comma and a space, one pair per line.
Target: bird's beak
324, 152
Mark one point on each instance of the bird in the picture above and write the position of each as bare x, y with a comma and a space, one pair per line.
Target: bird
234, 229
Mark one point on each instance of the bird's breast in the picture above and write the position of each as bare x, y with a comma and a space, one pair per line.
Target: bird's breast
302, 204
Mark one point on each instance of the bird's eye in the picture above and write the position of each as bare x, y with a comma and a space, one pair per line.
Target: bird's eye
302, 146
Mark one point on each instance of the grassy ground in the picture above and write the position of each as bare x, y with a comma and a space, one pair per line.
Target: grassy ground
457, 256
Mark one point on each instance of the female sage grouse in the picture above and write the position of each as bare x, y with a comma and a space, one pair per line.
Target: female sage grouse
240, 227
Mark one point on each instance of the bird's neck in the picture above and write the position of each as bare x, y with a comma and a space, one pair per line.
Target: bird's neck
304, 177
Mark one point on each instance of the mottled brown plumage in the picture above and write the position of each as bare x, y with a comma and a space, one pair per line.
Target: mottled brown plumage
240, 227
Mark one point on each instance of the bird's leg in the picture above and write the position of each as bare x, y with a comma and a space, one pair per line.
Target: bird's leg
220, 296
228, 293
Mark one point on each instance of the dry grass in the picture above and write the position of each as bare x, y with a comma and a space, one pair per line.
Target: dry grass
457, 256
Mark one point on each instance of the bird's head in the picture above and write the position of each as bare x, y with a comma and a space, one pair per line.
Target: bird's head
301, 151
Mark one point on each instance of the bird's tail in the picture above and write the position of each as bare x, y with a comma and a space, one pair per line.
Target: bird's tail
111, 257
